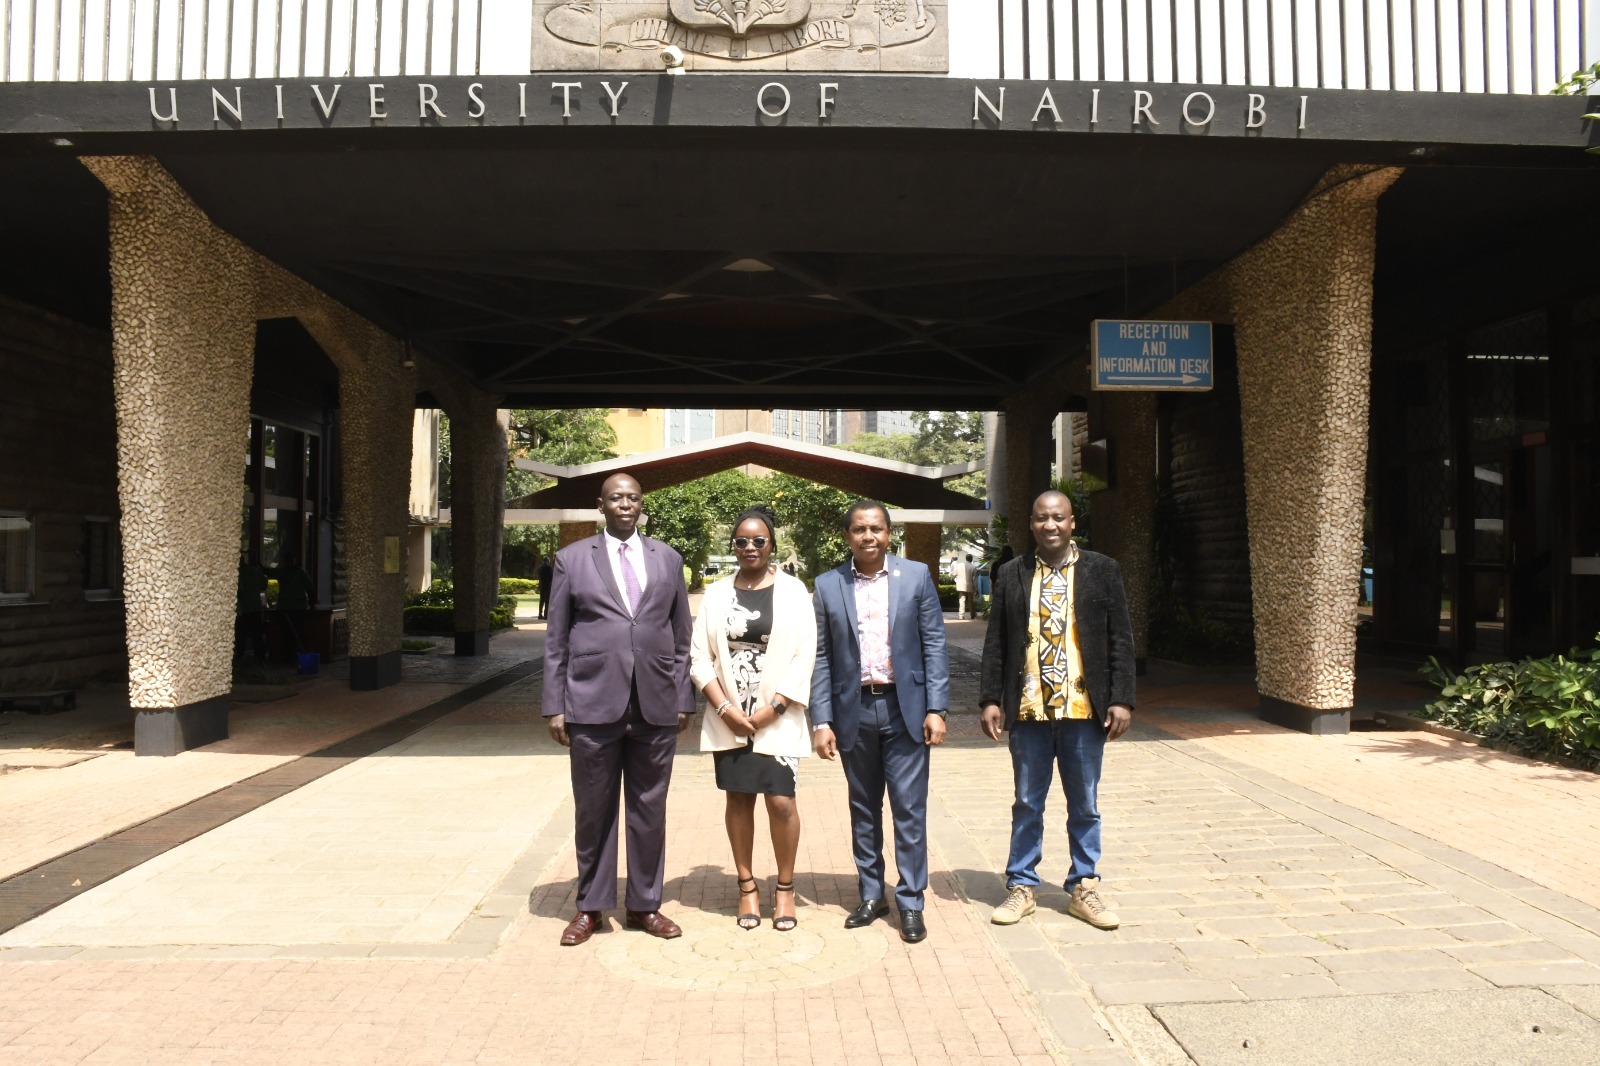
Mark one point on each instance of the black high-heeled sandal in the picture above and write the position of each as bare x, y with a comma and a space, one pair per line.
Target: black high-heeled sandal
749, 921
788, 921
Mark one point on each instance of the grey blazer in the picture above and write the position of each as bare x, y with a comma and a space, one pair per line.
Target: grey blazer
1105, 636
595, 653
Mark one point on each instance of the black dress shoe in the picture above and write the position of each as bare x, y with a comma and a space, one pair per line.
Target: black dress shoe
912, 931
869, 911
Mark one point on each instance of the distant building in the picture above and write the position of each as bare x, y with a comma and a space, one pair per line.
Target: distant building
647, 429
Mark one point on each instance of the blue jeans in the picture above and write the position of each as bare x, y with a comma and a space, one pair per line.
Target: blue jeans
1077, 746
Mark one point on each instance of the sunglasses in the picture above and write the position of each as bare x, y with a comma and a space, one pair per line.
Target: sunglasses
745, 542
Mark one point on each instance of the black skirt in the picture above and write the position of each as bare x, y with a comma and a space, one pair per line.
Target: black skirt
745, 770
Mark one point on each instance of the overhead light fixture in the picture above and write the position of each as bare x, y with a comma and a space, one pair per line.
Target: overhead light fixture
61, 142
749, 266
406, 361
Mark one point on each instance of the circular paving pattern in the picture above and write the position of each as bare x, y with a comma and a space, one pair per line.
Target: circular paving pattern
714, 952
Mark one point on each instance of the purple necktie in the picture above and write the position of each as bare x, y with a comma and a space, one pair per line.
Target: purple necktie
630, 580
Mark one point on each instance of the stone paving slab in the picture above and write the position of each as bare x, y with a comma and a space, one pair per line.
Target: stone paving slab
1491, 1027
400, 848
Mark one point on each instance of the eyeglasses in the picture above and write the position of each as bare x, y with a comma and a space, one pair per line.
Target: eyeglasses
745, 542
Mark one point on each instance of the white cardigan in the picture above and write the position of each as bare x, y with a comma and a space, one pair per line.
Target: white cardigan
785, 669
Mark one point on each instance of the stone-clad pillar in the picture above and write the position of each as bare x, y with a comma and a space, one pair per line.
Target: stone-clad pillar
477, 513
1301, 303
183, 346
377, 396
1027, 460
377, 400
1123, 515
1303, 328
921, 544
572, 532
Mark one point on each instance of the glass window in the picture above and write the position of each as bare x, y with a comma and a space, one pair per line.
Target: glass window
16, 556
1508, 377
102, 559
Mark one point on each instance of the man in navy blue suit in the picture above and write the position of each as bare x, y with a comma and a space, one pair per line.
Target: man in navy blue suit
879, 694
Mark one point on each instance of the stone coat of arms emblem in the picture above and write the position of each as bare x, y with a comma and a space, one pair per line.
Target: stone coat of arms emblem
798, 35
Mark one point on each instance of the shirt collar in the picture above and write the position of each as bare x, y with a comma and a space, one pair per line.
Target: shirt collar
1071, 560
869, 577
613, 543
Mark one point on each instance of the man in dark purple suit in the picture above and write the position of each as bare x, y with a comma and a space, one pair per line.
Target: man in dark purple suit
617, 693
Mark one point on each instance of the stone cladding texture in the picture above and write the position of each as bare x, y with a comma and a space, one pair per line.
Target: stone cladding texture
477, 502
1301, 303
572, 532
377, 395
183, 325
185, 300
1122, 517
921, 544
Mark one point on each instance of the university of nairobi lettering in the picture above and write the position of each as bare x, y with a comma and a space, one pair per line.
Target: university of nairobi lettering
811, 35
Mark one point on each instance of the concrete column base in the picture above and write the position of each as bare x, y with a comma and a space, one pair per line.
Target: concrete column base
1305, 719
473, 643
368, 673
167, 731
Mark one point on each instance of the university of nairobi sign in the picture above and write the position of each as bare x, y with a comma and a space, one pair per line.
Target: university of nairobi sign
895, 36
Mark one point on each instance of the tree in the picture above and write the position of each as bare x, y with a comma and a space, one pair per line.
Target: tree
560, 436
941, 438
810, 520
695, 516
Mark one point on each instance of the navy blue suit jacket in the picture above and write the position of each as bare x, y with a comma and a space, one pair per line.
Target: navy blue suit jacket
916, 645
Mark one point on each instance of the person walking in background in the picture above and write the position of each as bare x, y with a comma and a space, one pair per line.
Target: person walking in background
879, 695
755, 641
1058, 675
965, 572
616, 692
545, 573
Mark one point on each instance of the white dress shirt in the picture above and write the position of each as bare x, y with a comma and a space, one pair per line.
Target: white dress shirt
635, 545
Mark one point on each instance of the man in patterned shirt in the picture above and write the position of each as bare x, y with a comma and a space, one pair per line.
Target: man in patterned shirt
1058, 675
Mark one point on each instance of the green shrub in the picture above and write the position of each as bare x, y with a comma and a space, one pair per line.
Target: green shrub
507, 603
949, 598
1536, 707
430, 618
439, 594
518, 586
437, 620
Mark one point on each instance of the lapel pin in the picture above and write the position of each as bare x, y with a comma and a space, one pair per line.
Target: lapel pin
897, 573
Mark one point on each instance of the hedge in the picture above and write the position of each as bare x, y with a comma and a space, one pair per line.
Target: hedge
442, 620
518, 586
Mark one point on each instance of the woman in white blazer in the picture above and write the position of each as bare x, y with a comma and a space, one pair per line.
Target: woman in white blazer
755, 642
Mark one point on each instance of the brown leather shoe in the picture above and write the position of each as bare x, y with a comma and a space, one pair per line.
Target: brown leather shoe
580, 928
653, 922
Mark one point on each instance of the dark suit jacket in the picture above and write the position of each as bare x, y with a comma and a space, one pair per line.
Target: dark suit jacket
595, 653
916, 647
1105, 636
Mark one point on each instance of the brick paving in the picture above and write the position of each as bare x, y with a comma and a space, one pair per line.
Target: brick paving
1250, 866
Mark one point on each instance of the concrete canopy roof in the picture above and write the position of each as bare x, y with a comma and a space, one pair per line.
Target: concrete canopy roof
902, 484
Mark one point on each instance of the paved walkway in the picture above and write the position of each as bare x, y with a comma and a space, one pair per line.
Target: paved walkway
1284, 898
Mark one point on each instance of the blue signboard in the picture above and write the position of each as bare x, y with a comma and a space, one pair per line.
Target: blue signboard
1151, 356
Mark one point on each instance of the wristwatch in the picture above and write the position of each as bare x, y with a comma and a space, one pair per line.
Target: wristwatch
779, 705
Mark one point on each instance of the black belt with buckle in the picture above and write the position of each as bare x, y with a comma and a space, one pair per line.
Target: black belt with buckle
878, 688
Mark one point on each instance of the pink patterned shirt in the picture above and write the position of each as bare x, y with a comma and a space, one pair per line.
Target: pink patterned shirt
872, 621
